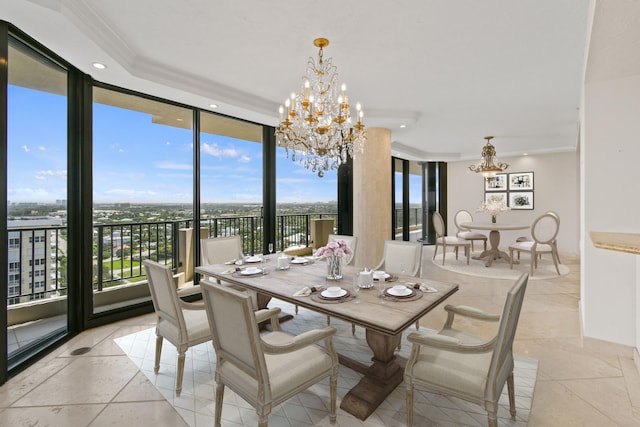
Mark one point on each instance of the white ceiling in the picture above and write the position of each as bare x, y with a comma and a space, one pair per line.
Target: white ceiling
452, 71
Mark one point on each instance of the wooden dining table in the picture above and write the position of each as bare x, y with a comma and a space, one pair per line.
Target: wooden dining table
494, 252
383, 322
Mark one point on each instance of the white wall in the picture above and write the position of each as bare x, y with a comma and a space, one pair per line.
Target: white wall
611, 151
555, 188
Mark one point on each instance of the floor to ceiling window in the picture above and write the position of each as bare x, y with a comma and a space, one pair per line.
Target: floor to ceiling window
36, 200
231, 175
302, 198
142, 191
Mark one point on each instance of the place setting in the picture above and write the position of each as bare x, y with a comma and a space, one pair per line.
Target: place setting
250, 271
332, 294
401, 293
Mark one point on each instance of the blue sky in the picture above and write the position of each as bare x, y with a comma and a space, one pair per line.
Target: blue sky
138, 161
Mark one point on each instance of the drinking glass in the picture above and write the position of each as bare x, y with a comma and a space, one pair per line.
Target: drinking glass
381, 285
270, 248
356, 289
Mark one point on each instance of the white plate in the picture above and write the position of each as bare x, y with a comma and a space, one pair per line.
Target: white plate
386, 276
251, 270
392, 291
253, 259
299, 261
340, 294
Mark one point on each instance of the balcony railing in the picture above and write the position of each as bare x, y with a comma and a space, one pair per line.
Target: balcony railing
120, 248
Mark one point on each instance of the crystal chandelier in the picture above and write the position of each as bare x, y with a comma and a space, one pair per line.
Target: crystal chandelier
487, 166
315, 123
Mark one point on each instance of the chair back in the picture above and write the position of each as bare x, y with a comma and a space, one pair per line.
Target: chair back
502, 353
218, 250
400, 255
438, 224
236, 338
460, 217
163, 293
352, 241
545, 228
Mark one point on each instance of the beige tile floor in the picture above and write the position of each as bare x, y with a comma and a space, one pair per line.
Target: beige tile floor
580, 382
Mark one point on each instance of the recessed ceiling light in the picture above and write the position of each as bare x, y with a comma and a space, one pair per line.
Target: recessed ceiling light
213, 105
403, 126
525, 154
179, 119
99, 65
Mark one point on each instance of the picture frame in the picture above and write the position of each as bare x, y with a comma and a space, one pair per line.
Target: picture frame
521, 181
496, 183
496, 197
521, 200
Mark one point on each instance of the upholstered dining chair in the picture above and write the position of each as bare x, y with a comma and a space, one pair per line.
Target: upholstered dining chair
465, 216
268, 369
182, 323
352, 241
443, 240
458, 364
401, 258
218, 250
544, 232
555, 241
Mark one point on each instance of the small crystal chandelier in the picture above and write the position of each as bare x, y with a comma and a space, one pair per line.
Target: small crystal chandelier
487, 166
315, 123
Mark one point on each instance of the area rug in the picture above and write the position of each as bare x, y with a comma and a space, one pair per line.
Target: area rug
499, 268
310, 408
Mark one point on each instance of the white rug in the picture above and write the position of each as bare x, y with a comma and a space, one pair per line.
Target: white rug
499, 269
310, 408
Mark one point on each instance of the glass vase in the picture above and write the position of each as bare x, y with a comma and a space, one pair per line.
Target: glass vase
334, 268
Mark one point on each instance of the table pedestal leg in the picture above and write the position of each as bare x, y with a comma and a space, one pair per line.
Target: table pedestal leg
380, 378
493, 252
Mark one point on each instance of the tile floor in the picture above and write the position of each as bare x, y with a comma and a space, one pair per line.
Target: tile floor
580, 382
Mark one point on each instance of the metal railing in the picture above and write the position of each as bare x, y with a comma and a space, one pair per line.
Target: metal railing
120, 248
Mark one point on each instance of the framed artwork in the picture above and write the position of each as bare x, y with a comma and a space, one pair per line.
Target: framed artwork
500, 198
521, 181
521, 200
496, 183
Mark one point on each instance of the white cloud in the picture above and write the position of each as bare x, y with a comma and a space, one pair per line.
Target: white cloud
173, 166
25, 148
43, 175
244, 159
214, 150
41, 148
129, 192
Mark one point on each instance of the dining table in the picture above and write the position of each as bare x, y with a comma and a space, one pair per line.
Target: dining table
494, 252
384, 317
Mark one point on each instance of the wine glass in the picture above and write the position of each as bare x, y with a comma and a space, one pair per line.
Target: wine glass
270, 248
381, 284
356, 289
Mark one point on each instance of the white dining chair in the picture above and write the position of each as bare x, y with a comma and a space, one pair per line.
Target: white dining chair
458, 364
443, 240
264, 369
465, 233
544, 232
182, 323
220, 250
401, 257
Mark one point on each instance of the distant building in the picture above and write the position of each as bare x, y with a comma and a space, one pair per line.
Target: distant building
29, 254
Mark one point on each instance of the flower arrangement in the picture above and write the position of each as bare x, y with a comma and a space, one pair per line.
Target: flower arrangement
333, 252
337, 249
493, 208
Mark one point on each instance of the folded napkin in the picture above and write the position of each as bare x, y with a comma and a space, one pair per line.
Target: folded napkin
422, 287
229, 271
304, 292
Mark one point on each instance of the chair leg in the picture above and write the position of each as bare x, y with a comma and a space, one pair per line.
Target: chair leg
353, 329
328, 320
533, 262
409, 405
156, 366
512, 395
554, 256
444, 252
333, 391
219, 398
456, 249
485, 244
468, 251
179, 372
296, 310
435, 251
511, 258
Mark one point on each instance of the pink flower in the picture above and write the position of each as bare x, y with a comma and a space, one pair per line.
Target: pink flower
338, 249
